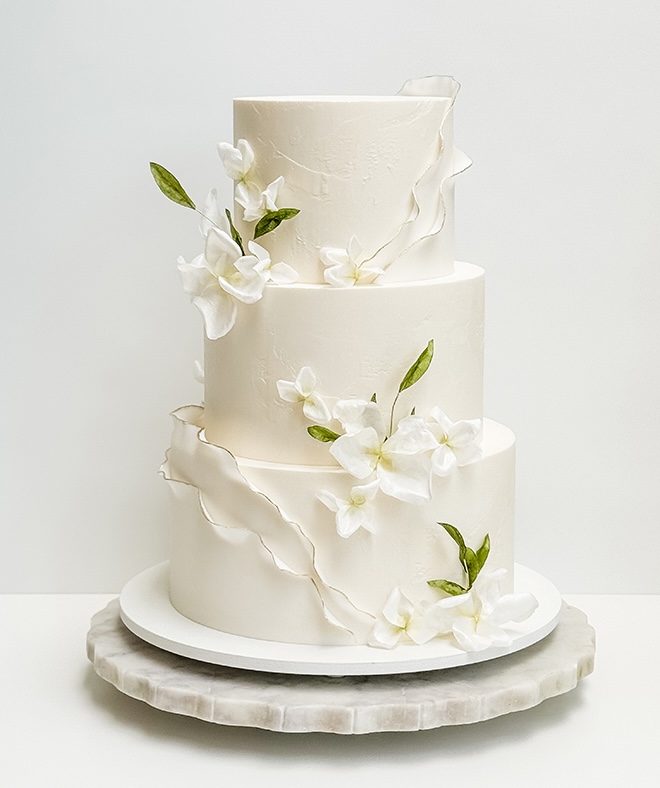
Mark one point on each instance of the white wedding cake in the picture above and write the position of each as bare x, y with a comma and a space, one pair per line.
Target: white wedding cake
340, 484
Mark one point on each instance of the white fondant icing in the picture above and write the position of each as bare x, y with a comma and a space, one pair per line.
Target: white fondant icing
358, 341
367, 166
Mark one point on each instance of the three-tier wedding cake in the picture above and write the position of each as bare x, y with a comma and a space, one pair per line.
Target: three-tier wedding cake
340, 484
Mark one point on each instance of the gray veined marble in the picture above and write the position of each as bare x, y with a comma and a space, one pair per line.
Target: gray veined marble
278, 702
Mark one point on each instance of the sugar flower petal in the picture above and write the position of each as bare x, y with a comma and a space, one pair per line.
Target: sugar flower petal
443, 460
244, 287
478, 618
219, 311
303, 389
356, 414
514, 607
405, 477
343, 268
288, 391
306, 381
330, 500
401, 616
398, 608
340, 275
217, 308
457, 441
385, 635
238, 160
331, 256
283, 274
354, 512
255, 201
213, 215
412, 436
270, 193
248, 196
358, 453
315, 409
217, 277
221, 252
195, 276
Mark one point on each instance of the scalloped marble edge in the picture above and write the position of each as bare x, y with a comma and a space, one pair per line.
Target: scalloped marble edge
350, 705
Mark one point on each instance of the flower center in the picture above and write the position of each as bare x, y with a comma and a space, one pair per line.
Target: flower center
383, 459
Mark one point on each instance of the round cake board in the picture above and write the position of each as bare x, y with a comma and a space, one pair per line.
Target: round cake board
350, 705
146, 610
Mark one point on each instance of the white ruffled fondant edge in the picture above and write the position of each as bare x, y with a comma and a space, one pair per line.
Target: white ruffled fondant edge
190, 418
438, 86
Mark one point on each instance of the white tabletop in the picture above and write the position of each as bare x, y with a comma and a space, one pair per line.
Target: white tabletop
64, 726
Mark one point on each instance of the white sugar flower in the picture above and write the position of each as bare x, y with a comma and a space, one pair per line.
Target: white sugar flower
356, 414
401, 616
477, 619
354, 512
254, 201
223, 274
237, 161
248, 191
278, 273
457, 441
400, 462
213, 215
343, 268
303, 389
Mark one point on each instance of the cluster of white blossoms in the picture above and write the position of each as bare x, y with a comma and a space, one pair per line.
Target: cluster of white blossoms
476, 620
225, 273
399, 462
255, 199
343, 266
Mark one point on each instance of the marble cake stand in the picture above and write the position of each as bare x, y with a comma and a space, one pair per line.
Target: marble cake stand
357, 704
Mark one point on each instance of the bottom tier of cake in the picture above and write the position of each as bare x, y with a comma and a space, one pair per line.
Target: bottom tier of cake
254, 552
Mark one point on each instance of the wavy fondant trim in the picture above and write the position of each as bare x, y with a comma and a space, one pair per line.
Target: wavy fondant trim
425, 190
294, 552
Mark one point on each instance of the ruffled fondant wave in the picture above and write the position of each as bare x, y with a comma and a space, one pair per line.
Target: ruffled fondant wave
428, 216
229, 504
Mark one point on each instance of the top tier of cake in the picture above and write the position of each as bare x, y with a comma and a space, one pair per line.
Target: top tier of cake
377, 168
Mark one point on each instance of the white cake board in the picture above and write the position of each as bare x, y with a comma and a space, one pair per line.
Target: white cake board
146, 610
365, 704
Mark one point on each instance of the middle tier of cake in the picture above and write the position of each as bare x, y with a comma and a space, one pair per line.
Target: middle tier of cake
358, 342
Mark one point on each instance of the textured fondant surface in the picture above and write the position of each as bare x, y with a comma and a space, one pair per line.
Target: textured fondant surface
357, 341
350, 164
288, 703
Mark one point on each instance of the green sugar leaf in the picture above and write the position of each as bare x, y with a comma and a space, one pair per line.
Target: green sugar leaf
458, 538
373, 397
453, 589
236, 236
418, 368
272, 220
170, 186
472, 563
482, 552
322, 434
